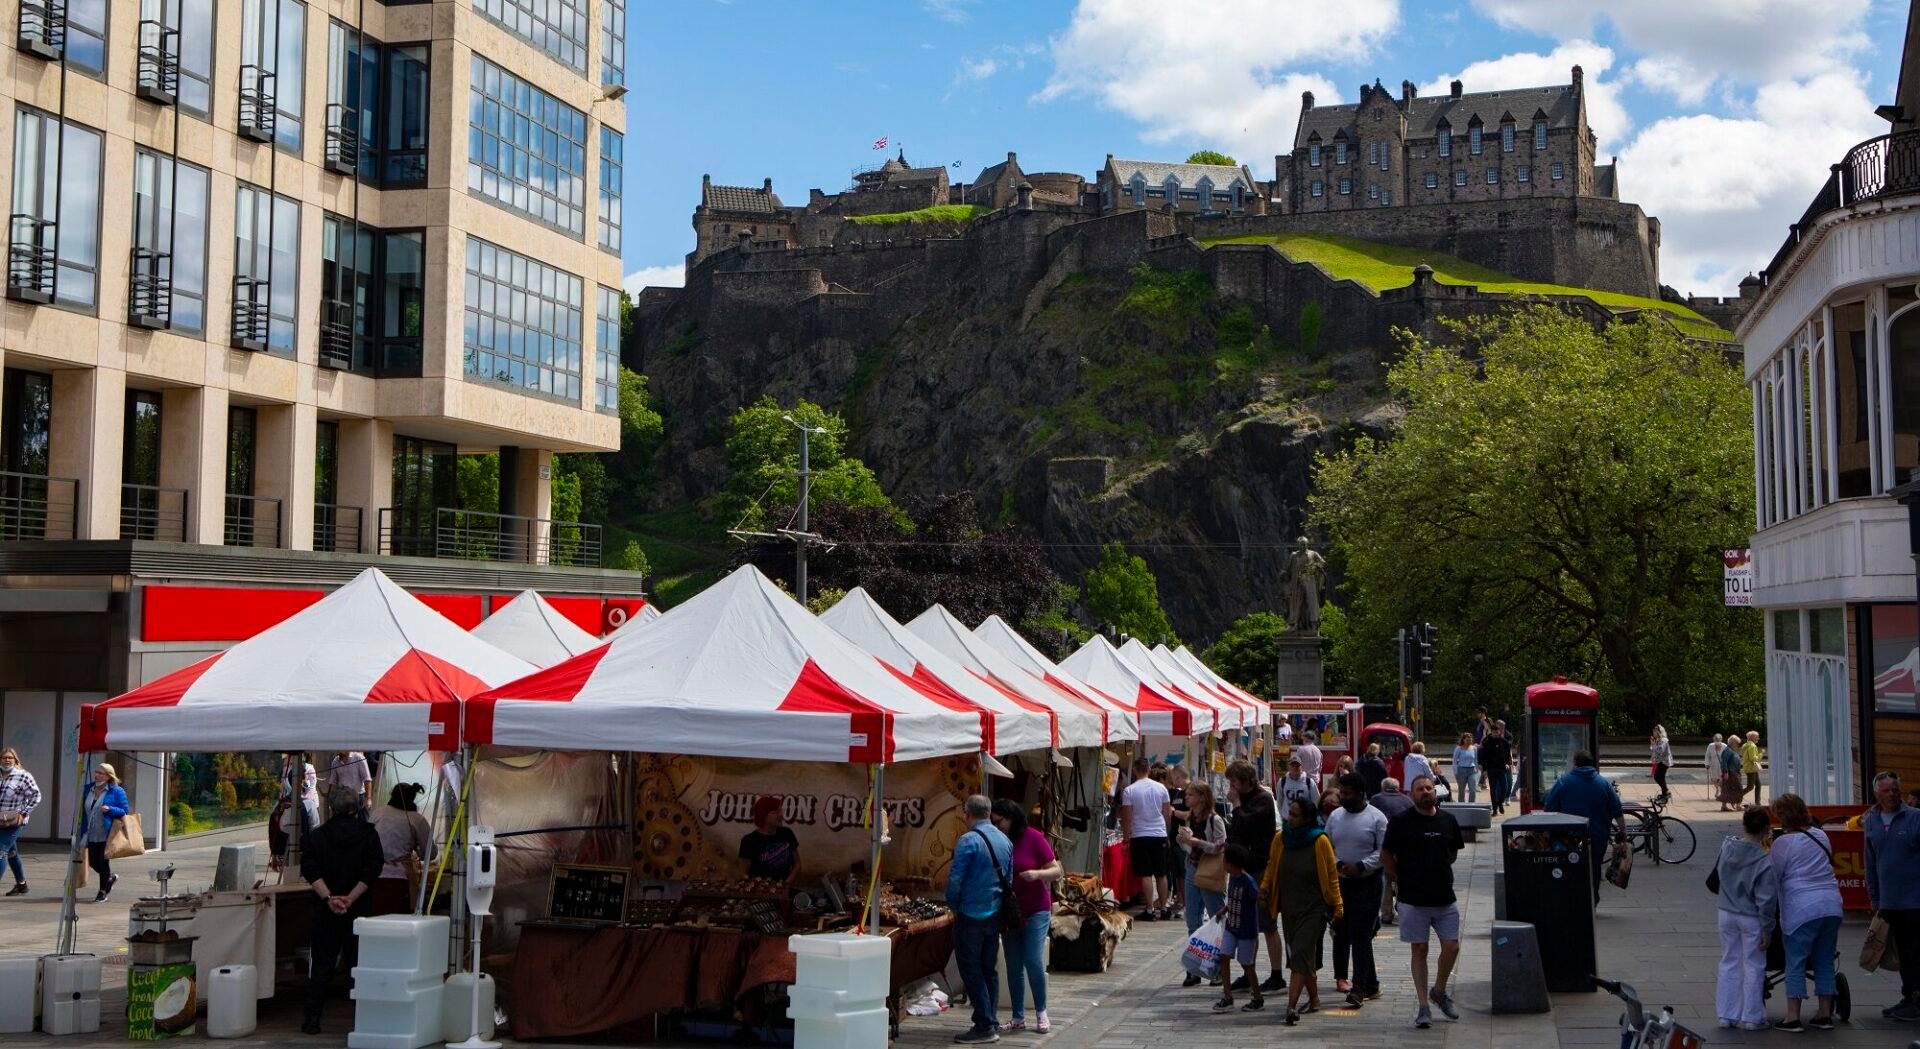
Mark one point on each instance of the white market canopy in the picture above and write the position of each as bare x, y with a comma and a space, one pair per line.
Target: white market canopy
1232, 712
1185, 657
367, 667
996, 634
1083, 722
1099, 664
534, 630
1013, 725
741, 670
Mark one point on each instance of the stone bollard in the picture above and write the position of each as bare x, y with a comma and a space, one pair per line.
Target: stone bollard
1519, 977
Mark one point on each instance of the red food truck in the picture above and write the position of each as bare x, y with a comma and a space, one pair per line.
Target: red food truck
1333, 720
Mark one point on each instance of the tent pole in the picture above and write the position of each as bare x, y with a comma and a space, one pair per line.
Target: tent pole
69, 910
879, 823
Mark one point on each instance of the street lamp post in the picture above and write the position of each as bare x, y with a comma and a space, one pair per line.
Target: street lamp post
801, 536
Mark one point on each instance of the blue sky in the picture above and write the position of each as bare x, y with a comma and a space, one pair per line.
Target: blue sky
1725, 113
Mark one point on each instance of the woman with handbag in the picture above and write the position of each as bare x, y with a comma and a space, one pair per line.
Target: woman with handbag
104, 807
19, 795
1206, 860
1035, 868
1810, 910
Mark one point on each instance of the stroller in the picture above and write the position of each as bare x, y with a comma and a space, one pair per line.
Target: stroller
1777, 973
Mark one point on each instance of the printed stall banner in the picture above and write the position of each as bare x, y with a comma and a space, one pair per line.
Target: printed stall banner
691, 812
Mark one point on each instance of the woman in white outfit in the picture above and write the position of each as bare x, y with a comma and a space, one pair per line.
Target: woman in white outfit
1749, 910
1713, 764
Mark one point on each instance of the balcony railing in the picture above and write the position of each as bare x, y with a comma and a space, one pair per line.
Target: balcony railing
36, 507
343, 139
157, 76
256, 104
1878, 167
43, 28
336, 334
250, 319
475, 536
336, 529
32, 243
150, 290
152, 513
252, 520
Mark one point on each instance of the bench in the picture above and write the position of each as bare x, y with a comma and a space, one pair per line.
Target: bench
1472, 818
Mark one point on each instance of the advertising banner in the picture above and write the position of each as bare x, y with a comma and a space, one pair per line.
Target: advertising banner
161, 1001
1737, 566
690, 814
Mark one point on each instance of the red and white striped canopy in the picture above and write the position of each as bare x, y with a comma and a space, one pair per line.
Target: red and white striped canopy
1232, 712
1185, 657
368, 667
1083, 723
1004, 639
1162, 713
534, 630
739, 671
1013, 724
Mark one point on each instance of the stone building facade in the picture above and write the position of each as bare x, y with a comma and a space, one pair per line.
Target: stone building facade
1198, 189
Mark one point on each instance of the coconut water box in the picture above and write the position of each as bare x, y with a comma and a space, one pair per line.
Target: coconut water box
162, 1002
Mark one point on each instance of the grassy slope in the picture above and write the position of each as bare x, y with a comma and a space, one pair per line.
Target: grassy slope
1385, 266
937, 213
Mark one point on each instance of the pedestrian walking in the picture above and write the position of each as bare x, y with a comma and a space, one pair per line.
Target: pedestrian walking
1662, 753
1252, 826
1809, 910
1357, 831
1893, 884
1295, 783
1176, 781
1466, 767
1035, 869
1310, 757
349, 770
1750, 764
1329, 801
1496, 765
1416, 764
1302, 890
1372, 768
1712, 765
1391, 802
406, 844
1749, 909
1241, 941
1144, 809
1728, 778
976, 879
104, 805
1203, 845
1582, 791
297, 813
1482, 725
1419, 851
341, 860
19, 796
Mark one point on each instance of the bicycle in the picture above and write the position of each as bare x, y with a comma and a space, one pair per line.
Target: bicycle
1658, 836
1640, 1031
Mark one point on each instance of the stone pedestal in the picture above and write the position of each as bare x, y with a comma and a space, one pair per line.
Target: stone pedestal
1302, 672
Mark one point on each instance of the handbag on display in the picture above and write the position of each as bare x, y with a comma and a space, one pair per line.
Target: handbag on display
125, 840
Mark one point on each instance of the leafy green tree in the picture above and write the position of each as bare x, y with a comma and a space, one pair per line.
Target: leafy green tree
1248, 651
1122, 593
1211, 156
631, 558
618, 483
763, 459
1554, 500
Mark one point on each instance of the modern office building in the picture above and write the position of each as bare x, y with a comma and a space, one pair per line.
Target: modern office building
272, 269
1833, 357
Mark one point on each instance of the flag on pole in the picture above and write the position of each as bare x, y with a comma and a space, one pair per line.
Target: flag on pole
880, 143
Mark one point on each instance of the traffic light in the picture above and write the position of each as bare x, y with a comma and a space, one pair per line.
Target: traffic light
1424, 637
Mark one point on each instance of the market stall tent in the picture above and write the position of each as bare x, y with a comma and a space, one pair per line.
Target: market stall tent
638, 621
1083, 722
368, 667
1014, 725
1185, 657
1005, 640
741, 670
1231, 711
534, 630
1099, 664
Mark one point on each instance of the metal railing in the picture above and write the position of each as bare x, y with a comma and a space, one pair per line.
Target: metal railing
250, 318
252, 520
1878, 167
152, 513
43, 28
475, 536
32, 247
336, 334
150, 289
157, 74
336, 529
37, 507
343, 139
256, 103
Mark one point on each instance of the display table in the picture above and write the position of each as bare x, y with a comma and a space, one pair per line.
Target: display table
1116, 872
570, 980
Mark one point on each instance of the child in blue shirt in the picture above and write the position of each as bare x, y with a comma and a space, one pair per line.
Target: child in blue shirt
1242, 939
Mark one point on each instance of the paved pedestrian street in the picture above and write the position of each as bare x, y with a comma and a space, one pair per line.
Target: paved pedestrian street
1660, 936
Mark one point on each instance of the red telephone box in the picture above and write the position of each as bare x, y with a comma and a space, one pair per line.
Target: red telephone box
1563, 717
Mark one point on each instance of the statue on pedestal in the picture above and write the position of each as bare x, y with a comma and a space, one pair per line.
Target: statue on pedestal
1306, 574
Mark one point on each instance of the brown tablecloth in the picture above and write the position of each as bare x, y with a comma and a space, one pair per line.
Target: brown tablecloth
572, 980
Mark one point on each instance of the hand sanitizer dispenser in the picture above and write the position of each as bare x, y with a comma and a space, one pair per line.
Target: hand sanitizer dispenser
483, 872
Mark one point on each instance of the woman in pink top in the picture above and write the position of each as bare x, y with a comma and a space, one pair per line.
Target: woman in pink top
1034, 871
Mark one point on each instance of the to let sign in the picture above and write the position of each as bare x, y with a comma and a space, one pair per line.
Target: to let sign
1738, 565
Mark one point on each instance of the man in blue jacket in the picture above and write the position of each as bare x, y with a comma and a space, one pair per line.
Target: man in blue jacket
1893, 883
982, 860
1583, 792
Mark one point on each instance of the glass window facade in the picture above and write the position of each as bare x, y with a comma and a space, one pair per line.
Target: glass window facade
606, 351
381, 90
1473, 139
425, 479
380, 275
170, 223
612, 185
56, 179
523, 322
193, 48
87, 36
1539, 136
140, 447
1446, 142
26, 403
613, 42
273, 39
526, 150
558, 27
266, 231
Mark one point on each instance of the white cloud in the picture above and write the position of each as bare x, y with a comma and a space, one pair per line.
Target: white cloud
1605, 115
977, 69
948, 10
1726, 187
1671, 76
1744, 41
1224, 78
671, 275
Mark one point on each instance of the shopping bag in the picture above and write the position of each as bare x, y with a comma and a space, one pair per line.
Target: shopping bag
125, 840
1202, 956
1620, 866
1878, 951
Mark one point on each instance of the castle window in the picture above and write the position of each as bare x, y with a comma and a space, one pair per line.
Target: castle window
1238, 190
1313, 155
1339, 152
1473, 140
1386, 198
1523, 174
1539, 136
1373, 192
1318, 189
1138, 188
1346, 187
1386, 159
1558, 173
1459, 178
1506, 138
1493, 176
1446, 142
1433, 180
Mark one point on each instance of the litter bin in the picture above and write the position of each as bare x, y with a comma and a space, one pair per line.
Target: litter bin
1547, 856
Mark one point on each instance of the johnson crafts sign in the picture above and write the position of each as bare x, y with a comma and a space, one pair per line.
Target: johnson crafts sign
1738, 565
